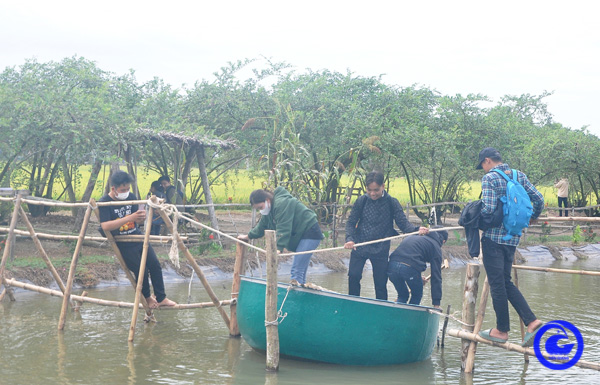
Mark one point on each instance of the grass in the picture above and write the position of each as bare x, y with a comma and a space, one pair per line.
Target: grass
62, 262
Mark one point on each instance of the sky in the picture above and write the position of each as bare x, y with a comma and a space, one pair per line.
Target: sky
494, 48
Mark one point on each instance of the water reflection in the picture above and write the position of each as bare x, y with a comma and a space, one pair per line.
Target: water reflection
193, 347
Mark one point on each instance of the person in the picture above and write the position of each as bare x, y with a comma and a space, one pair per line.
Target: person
410, 259
172, 196
372, 217
157, 221
563, 193
124, 220
296, 225
498, 254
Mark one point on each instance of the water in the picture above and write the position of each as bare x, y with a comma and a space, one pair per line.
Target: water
193, 346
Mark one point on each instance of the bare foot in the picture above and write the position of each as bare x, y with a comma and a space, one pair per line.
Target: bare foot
167, 302
152, 304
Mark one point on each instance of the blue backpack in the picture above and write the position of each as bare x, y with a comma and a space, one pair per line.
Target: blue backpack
517, 206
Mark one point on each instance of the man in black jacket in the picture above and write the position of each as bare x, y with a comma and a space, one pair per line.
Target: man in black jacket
372, 217
410, 259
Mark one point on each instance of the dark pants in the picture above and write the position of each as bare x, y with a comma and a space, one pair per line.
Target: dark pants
379, 264
403, 275
497, 260
562, 202
156, 223
133, 257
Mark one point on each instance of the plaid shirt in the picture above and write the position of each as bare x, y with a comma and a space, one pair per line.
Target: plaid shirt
493, 187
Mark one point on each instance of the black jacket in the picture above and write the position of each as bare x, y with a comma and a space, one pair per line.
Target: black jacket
473, 221
416, 251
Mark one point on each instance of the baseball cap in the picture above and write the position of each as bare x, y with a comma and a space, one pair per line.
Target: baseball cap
488, 152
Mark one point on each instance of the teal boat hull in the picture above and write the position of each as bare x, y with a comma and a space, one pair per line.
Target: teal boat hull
337, 328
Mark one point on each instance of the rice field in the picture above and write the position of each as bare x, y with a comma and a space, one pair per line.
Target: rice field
237, 185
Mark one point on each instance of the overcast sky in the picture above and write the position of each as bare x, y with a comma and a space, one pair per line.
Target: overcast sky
490, 47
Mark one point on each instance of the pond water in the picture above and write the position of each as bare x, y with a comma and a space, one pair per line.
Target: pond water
193, 346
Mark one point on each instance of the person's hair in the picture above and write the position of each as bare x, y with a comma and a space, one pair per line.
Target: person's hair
443, 234
260, 195
495, 158
156, 185
374, 176
164, 177
120, 178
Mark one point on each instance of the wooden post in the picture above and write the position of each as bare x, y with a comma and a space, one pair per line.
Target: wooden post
195, 266
9, 241
468, 309
214, 223
470, 362
526, 357
334, 230
140, 281
271, 321
41, 250
238, 269
69, 287
445, 325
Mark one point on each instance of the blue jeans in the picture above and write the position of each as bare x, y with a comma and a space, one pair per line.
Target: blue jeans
403, 275
301, 261
497, 260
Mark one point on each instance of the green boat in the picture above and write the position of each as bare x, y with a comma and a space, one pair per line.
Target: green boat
338, 328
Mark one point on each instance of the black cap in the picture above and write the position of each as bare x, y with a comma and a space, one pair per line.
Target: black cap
488, 152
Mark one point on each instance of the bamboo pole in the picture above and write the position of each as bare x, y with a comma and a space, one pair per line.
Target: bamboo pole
118, 238
7, 247
104, 302
445, 325
69, 287
514, 347
238, 269
194, 265
117, 251
521, 324
470, 361
468, 309
552, 270
41, 250
142, 271
570, 218
271, 319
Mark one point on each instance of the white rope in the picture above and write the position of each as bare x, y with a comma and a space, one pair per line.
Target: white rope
451, 316
280, 316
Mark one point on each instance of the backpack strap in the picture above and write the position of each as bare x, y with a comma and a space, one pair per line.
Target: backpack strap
504, 174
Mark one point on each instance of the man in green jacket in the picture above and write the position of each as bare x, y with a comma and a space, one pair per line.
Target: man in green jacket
296, 226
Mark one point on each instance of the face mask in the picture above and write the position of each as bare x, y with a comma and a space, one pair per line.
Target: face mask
267, 209
122, 196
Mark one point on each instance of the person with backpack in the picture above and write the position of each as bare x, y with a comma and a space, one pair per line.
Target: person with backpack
523, 203
372, 217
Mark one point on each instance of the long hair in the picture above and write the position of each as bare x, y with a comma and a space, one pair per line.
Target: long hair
259, 196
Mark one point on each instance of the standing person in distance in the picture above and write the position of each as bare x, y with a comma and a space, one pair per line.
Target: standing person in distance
296, 226
563, 193
372, 217
498, 253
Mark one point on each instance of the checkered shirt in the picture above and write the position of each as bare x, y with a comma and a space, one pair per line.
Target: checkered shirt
493, 187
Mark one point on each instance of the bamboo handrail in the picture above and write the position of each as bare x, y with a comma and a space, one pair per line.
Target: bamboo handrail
104, 302
514, 347
118, 238
553, 270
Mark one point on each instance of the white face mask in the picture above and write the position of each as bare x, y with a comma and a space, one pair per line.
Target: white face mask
122, 196
267, 209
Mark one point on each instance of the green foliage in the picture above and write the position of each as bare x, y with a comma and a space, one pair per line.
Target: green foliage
577, 235
546, 230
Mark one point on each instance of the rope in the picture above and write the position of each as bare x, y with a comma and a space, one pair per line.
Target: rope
367, 243
280, 316
451, 316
